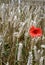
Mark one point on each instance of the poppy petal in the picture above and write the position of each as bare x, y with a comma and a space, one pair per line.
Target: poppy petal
35, 32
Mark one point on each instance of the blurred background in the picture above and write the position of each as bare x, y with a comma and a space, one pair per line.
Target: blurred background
17, 47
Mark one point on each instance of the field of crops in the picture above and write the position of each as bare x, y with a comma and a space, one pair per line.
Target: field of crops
22, 32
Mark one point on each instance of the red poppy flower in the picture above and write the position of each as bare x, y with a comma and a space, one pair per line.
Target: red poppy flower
35, 32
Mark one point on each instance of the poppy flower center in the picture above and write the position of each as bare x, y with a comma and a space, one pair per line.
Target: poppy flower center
35, 31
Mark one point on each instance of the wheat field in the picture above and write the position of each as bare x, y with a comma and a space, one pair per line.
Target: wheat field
17, 47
